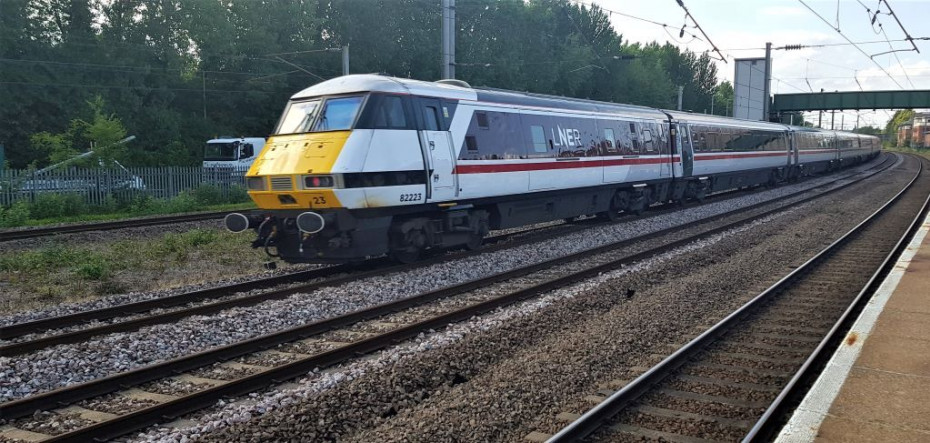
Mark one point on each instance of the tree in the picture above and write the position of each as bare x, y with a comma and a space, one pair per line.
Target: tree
723, 99
100, 134
900, 117
179, 72
868, 130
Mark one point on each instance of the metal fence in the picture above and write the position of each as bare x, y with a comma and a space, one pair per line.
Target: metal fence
97, 185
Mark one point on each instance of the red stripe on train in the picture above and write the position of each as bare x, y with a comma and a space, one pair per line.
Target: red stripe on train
570, 164
729, 156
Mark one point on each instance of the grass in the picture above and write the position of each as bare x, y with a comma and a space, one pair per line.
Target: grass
60, 272
54, 208
85, 218
921, 152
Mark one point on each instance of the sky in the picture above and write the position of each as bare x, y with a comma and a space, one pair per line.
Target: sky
740, 29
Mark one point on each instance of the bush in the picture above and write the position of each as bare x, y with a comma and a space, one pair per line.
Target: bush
94, 269
57, 205
238, 194
207, 194
181, 244
15, 215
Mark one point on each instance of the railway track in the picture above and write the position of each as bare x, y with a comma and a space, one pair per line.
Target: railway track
253, 364
173, 308
20, 234
740, 378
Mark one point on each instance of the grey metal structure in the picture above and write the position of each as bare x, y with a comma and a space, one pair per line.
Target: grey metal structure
826, 101
448, 39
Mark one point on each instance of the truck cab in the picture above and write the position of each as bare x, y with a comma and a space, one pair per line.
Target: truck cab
232, 153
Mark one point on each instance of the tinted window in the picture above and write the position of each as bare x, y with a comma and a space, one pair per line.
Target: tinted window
431, 118
610, 141
471, 143
338, 114
503, 138
389, 113
482, 120
538, 136
298, 117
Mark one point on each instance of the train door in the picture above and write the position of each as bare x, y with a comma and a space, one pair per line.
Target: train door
661, 139
685, 150
436, 143
794, 158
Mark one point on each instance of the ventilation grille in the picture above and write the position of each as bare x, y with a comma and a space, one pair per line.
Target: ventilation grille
282, 184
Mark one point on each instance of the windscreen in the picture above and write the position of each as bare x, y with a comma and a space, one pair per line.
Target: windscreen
335, 114
338, 114
220, 151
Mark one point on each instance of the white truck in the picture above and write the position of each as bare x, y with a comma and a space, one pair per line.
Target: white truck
232, 153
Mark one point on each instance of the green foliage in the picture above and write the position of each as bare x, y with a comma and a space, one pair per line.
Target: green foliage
180, 245
870, 130
149, 61
15, 215
56, 147
53, 207
57, 205
900, 117
95, 269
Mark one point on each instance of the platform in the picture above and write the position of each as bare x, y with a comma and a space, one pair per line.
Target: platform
876, 387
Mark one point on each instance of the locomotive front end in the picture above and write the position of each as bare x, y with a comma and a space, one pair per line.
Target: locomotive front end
304, 203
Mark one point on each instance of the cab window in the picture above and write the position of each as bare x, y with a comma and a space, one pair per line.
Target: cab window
298, 117
338, 114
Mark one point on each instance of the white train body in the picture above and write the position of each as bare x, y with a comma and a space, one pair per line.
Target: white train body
364, 165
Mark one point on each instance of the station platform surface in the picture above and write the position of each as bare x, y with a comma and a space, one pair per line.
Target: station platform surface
876, 387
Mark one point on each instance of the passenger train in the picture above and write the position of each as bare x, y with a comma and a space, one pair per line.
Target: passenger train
366, 165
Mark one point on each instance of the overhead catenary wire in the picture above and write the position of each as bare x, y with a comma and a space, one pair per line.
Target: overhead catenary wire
850, 41
873, 18
611, 12
895, 53
698, 26
822, 45
907, 36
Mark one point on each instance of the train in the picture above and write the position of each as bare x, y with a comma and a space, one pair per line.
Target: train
372, 165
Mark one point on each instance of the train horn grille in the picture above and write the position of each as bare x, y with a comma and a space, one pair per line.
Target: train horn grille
282, 184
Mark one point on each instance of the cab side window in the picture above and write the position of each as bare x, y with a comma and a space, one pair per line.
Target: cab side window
431, 118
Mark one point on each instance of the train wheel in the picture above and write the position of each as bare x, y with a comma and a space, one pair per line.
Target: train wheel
617, 203
406, 256
474, 242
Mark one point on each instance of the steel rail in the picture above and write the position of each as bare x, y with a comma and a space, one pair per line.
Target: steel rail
18, 330
596, 417
770, 422
20, 234
175, 408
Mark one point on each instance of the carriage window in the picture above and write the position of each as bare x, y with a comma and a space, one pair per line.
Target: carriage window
634, 136
609, 140
648, 141
471, 143
539, 139
482, 120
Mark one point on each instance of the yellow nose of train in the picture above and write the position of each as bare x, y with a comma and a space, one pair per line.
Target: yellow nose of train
294, 171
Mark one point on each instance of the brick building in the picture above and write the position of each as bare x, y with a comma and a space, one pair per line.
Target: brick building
916, 132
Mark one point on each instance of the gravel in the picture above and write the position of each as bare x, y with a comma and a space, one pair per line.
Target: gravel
108, 236
502, 375
68, 364
133, 297
116, 404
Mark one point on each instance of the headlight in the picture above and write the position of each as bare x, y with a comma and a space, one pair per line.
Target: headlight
318, 181
255, 183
